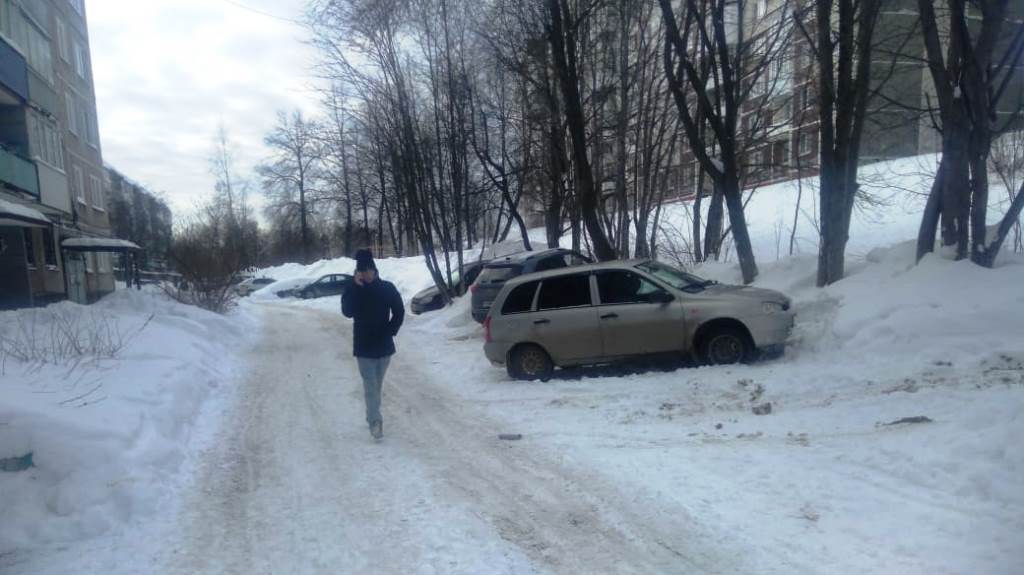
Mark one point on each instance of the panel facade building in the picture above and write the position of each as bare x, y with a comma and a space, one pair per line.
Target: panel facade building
50, 155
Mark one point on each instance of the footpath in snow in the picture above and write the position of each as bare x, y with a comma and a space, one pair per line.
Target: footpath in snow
890, 446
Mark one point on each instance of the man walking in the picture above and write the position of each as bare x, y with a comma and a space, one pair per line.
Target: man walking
376, 306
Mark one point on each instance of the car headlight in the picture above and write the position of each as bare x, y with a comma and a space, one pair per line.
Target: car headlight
773, 307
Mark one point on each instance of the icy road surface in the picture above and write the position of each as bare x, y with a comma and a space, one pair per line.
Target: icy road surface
297, 485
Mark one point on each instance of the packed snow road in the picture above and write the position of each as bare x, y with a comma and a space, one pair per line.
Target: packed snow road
297, 485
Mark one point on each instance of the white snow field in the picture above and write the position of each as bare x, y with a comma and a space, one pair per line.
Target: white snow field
892, 445
111, 429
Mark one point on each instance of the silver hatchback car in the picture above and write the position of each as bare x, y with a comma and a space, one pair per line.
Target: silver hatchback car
601, 313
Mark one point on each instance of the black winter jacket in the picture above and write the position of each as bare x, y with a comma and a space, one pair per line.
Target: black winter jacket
378, 312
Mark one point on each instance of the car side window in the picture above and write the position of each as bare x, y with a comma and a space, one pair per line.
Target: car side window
575, 260
520, 299
551, 263
564, 292
622, 287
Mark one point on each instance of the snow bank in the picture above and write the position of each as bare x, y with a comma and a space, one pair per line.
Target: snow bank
408, 274
894, 195
937, 310
108, 436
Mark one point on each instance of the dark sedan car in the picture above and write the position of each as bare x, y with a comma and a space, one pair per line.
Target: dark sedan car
499, 271
430, 299
332, 284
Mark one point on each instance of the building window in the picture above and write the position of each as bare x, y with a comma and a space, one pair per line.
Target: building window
762, 8
69, 101
92, 134
805, 143
81, 61
783, 114
21, 31
82, 120
50, 248
90, 262
62, 41
38, 52
44, 140
30, 247
79, 183
97, 193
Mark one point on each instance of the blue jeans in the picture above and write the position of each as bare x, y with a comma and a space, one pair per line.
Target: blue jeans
373, 370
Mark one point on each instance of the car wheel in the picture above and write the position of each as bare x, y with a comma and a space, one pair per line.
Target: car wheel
726, 346
530, 362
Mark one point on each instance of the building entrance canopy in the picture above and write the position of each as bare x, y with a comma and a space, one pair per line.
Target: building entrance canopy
18, 215
99, 245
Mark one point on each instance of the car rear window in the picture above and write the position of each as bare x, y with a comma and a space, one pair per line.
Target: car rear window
520, 300
565, 291
494, 274
265, 281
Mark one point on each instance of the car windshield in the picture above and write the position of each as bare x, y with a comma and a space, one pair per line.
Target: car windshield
675, 278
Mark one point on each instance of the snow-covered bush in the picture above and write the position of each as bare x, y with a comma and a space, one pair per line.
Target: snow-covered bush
63, 333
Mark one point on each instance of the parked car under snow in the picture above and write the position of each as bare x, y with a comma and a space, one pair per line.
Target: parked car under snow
430, 299
252, 284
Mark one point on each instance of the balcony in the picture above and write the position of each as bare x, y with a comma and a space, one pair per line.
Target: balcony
18, 172
13, 71
41, 93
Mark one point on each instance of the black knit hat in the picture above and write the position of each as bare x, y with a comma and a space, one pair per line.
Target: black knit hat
364, 261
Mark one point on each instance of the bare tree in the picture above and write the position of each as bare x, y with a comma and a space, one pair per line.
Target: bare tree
229, 213
972, 71
1007, 161
563, 35
843, 50
713, 60
291, 175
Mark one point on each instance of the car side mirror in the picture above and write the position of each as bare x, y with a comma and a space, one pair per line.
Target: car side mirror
662, 297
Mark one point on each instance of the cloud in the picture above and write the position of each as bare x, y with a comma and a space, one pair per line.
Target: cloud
168, 72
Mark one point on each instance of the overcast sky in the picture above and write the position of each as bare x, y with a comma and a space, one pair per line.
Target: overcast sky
168, 72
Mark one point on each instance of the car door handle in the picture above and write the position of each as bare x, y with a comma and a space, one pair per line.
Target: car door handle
610, 316
541, 321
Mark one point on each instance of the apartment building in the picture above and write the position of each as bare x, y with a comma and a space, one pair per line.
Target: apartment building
780, 119
140, 216
50, 158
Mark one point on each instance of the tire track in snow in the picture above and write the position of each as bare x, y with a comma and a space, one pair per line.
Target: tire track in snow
298, 487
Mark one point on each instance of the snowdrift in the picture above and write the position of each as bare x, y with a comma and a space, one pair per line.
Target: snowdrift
108, 435
408, 274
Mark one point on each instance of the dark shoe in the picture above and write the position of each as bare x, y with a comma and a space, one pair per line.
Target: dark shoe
377, 430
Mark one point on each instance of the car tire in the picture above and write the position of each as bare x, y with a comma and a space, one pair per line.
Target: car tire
726, 346
530, 362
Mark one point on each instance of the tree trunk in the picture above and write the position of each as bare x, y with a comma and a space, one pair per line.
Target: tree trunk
563, 44
738, 223
622, 126
1012, 217
715, 224
833, 235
